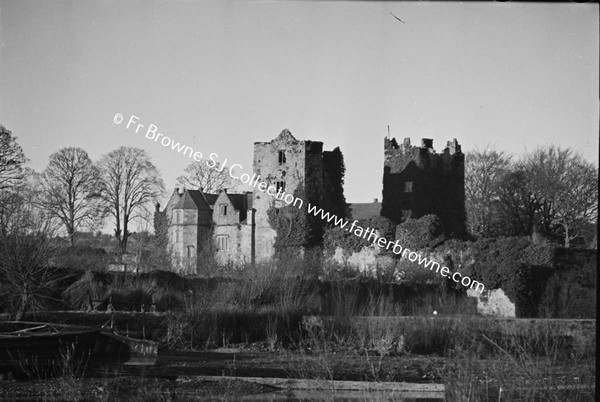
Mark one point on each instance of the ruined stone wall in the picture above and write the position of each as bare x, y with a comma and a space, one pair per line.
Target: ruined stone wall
293, 172
314, 172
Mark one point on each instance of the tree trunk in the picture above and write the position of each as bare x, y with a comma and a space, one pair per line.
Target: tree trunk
22, 306
125, 235
118, 222
567, 243
124, 242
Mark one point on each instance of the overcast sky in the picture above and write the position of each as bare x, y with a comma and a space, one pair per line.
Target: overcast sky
220, 75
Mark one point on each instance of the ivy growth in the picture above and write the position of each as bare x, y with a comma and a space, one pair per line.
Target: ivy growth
417, 234
295, 227
334, 170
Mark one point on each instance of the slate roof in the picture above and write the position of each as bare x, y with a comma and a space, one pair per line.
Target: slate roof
192, 199
240, 201
211, 198
195, 199
362, 211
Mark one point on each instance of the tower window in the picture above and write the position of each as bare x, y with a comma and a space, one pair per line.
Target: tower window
280, 185
408, 187
190, 251
223, 243
281, 157
223, 209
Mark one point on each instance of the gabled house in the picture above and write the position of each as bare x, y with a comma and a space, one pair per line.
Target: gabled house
200, 221
233, 230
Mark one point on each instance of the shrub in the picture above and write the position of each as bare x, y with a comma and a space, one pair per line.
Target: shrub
570, 292
168, 301
417, 234
335, 236
131, 300
89, 287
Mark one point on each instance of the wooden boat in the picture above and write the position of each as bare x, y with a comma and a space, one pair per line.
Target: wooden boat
113, 348
41, 349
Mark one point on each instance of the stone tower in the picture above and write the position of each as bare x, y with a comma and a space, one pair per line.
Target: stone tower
284, 163
417, 181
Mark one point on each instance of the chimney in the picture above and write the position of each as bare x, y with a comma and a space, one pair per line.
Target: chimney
180, 190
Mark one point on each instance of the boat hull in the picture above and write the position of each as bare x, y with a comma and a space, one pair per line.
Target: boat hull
42, 350
40, 354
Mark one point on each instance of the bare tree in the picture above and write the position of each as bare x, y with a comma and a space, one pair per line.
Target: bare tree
199, 176
12, 159
566, 187
483, 174
26, 276
130, 184
517, 207
17, 209
25, 270
70, 194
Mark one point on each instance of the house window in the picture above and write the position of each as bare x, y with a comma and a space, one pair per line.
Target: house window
408, 186
280, 185
281, 157
190, 251
177, 236
223, 243
223, 209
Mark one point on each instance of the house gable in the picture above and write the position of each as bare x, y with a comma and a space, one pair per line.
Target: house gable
224, 211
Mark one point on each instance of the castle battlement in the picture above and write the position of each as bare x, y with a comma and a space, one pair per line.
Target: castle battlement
398, 156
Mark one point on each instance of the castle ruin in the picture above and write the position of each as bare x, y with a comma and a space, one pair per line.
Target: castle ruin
417, 181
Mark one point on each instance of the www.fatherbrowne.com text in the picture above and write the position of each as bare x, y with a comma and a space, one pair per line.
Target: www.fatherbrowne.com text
253, 180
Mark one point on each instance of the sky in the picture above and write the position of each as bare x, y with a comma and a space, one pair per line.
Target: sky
221, 75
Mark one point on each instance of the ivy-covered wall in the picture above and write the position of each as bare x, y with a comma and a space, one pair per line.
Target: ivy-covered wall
417, 234
295, 228
335, 237
334, 170
542, 280
417, 181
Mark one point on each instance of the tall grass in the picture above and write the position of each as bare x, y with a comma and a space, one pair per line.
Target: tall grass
550, 371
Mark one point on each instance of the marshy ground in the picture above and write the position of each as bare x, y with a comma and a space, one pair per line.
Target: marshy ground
530, 360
